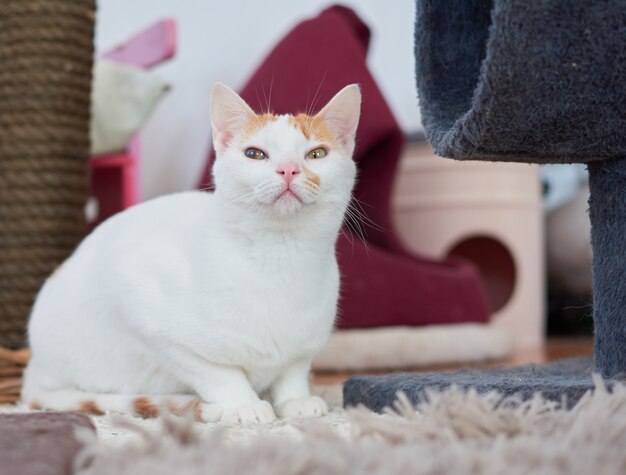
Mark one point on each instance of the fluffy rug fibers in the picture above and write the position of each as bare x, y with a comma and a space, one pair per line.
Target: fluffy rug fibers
450, 432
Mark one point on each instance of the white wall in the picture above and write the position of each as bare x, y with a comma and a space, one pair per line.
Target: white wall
225, 41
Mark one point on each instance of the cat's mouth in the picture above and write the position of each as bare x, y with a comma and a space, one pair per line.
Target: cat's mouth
288, 194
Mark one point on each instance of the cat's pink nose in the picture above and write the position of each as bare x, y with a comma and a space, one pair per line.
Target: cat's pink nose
288, 171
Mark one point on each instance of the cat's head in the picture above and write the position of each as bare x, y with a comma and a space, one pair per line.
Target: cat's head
280, 165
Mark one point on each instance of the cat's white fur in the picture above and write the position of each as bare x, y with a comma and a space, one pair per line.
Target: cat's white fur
223, 296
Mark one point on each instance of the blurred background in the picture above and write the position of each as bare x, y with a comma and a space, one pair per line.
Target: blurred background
504, 220
226, 42
451, 263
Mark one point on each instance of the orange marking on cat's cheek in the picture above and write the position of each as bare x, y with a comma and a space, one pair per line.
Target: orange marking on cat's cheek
145, 408
36, 406
90, 407
313, 128
257, 122
312, 178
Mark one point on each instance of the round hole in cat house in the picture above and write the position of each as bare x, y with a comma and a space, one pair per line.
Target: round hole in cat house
495, 264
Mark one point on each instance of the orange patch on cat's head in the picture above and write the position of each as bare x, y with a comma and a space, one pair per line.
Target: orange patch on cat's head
258, 121
313, 127
90, 407
36, 406
145, 408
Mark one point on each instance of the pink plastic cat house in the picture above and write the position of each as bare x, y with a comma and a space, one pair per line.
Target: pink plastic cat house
489, 214
115, 178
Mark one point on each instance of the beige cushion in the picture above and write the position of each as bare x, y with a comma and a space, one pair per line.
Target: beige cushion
123, 97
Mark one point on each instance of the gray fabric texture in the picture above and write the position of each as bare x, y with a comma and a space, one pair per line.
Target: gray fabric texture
40, 443
515, 80
607, 210
570, 378
453, 433
540, 82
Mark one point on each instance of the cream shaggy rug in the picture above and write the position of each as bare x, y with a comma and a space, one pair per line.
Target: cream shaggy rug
452, 432
413, 347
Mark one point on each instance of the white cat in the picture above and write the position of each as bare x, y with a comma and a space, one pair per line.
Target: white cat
212, 297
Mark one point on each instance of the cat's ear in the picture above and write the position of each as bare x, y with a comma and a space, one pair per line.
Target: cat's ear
342, 113
229, 114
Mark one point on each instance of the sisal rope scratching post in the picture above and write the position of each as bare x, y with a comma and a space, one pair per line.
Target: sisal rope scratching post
46, 53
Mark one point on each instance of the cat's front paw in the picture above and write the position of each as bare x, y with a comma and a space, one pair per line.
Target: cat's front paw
311, 406
260, 412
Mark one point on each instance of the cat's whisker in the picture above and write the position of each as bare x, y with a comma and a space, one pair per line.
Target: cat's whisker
265, 98
315, 97
308, 93
256, 91
357, 216
241, 201
366, 219
351, 219
356, 219
244, 201
267, 189
353, 224
348, 236
269, 101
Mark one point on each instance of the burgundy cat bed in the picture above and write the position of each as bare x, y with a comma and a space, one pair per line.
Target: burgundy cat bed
382, 284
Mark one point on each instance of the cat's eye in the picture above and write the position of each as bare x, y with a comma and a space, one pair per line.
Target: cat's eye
319, 152
255, 154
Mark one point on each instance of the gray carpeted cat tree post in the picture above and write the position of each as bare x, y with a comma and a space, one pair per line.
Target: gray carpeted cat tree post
535, 82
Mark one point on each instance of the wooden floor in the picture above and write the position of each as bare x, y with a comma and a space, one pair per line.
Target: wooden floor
556, 348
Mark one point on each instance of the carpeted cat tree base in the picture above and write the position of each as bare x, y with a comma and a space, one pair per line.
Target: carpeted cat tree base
571, 377
535, 82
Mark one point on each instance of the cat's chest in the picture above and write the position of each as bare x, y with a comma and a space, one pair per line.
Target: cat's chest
275, 279
283, 297
263, 311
